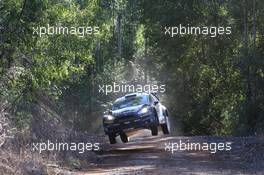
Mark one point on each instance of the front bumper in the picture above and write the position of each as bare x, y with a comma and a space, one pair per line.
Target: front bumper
130, 124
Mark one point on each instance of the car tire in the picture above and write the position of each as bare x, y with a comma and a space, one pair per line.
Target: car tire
112, 139
154, 130
124, 137
165, 127
156, 116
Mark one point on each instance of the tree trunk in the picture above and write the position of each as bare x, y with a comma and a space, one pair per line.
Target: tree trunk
119, 36
254, 48
246, 50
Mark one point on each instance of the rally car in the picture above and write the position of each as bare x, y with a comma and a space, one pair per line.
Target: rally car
134, 112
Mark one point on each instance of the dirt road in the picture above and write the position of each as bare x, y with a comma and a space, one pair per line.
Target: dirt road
146, 154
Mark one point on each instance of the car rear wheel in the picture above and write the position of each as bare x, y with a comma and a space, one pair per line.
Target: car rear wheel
124, 137
154, 130
112, 138
165, 127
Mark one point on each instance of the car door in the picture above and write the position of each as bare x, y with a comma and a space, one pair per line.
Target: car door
159, 109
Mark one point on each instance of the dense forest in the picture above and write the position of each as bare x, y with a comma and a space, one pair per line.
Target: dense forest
214, 85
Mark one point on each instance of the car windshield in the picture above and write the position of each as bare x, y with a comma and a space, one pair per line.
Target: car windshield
130, 101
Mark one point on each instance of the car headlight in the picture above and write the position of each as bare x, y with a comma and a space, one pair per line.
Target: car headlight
143, 111
109, 118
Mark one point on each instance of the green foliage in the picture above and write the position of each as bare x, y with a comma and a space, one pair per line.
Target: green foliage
207, 78
213, 85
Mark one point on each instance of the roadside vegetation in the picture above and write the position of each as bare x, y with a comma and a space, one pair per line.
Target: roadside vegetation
214, 86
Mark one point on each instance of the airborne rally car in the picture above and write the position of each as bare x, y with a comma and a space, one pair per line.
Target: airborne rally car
133, 112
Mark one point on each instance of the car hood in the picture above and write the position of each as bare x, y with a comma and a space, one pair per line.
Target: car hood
127, 111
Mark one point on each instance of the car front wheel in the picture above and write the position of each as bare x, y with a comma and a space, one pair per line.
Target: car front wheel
124, 137
154, 130
112, 138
